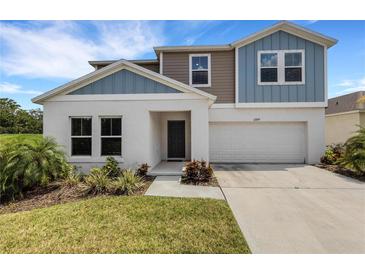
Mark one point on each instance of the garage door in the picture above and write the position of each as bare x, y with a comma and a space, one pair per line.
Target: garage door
257, 142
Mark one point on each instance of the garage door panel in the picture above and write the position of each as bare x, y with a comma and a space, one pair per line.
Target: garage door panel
257, 142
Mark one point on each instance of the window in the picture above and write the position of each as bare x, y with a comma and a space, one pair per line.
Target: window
269, 67
81, 136
281, 67
199, 70
111, 136
293, 67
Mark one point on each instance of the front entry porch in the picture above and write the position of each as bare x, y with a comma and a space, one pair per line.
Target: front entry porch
167, 168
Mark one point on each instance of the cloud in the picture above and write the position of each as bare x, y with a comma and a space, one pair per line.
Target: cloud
346, 83
352, 86
311, 22
196, 27
61, 49
10, 88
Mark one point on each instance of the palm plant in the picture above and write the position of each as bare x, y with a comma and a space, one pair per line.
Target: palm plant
354, 155
24, 165
7, 188
37, 163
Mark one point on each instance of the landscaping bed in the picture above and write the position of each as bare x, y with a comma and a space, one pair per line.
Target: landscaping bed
343, 171
54, 194
198, 173
213, 181
124, 224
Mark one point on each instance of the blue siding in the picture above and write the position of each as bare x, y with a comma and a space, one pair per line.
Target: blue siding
311, 91
124, 82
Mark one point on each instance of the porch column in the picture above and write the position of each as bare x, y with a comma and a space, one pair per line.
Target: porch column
200, 134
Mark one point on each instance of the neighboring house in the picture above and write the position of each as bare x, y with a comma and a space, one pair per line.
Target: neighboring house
260, 99
343, 116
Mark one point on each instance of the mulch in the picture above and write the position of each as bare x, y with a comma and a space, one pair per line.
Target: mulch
212, 182
343, 171
54, 194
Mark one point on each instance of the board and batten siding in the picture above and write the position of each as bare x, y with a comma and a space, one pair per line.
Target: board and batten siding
176, 66
313, 90
124, 82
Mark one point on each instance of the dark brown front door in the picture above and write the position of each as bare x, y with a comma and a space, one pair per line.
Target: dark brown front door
176, 139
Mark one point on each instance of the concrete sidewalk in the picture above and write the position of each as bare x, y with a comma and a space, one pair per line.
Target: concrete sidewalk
169, 186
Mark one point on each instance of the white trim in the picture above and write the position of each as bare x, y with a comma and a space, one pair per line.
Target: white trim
112, 136
167, 138
325, 75
280, 67
93, 160
80, 136
290, 28
127, 97
283, 105
191, 69
346, 112
161, 63
232, 105
236, 60
122, 64
191, 48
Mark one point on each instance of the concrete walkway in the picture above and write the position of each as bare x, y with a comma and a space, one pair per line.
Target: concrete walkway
169, 186
295, 208
167, 168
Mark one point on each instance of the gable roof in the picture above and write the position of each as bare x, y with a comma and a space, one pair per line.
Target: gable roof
95, 63
345, 103
282, 25
290, 28
114, 67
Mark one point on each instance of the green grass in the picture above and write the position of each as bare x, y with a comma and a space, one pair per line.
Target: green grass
137, 224
7, 139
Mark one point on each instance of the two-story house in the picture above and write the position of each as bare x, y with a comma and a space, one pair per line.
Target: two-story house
260, 99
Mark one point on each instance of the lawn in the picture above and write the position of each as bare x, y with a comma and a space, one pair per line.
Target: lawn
6, 139
135, 224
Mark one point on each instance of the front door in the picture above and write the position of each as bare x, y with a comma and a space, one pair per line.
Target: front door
176, 139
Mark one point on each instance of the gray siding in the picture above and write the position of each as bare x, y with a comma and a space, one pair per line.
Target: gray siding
176, 66
311, 91
124, 82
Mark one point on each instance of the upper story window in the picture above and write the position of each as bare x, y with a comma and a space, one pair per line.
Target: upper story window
81, 136
199, 70
281, 67
111, 136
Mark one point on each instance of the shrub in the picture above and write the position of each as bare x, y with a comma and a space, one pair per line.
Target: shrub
332, 154
97, 182
142, 170
8, 188
206, 172
127, 183
24, 166
196, 172
354, 155
72, 177
111, 168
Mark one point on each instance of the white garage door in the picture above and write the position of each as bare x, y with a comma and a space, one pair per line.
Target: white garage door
257, 142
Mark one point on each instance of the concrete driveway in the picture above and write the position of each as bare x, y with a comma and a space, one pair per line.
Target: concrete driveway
295, 208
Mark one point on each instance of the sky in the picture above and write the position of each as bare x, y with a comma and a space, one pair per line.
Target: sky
37, 56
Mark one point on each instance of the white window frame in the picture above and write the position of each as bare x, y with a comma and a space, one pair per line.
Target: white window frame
280, 67
112, 136
191, 69
81, 136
